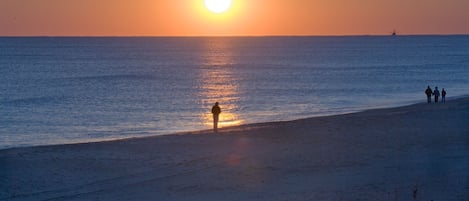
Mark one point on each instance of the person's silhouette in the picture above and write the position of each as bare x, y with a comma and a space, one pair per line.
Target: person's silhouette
429, 94
216, 113
443, 95
436, 93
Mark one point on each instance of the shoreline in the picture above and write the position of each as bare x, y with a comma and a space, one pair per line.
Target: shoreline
379, 154
210, 131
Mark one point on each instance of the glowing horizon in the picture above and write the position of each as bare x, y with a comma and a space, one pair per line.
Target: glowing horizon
243, 18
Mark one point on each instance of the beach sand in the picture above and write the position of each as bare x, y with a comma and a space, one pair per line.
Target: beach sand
382, 154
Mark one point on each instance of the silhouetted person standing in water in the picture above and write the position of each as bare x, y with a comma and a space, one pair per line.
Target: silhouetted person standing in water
436, 93
216, 113
443, 95
429, 94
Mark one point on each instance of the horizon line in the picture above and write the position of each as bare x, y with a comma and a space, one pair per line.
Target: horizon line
221, 36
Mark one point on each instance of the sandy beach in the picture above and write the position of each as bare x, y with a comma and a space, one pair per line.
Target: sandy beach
420, 150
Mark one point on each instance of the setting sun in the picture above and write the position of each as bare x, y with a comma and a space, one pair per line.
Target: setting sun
218, 6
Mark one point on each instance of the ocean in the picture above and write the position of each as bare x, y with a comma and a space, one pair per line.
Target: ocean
57, 90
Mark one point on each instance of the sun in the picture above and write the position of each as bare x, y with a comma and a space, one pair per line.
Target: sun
218, 6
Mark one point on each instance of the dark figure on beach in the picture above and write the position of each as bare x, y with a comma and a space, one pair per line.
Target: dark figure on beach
436, 93
443, 95
429, 94
216, 113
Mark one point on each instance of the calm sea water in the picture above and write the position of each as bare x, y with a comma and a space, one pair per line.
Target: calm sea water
67, 90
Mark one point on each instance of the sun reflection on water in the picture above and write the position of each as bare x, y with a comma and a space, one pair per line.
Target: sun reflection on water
219, 84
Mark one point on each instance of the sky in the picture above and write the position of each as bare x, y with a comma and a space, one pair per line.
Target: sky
245, 17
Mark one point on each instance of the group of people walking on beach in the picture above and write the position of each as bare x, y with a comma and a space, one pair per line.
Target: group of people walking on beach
436, 94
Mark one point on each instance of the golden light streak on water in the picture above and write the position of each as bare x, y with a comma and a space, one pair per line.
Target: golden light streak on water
218, 84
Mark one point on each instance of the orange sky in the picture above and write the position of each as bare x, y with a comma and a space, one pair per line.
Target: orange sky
247, 17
